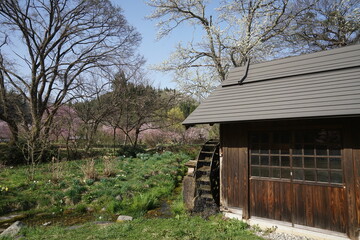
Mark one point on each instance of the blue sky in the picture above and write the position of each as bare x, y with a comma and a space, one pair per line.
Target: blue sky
154, 51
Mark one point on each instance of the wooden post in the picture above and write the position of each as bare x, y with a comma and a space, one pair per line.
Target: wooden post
350, 178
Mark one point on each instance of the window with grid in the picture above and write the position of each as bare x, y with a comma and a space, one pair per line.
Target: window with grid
304, 156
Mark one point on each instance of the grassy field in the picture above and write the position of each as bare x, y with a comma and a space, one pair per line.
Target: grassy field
101, 189
118, 185
173, 228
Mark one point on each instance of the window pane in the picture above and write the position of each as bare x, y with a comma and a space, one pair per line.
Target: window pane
285, 151
299, 174
297, 162
335, 151
275, 151
285, 173
275, 172
297, 150
264, 151
323, 176
309, 175
309, 150
254, 160
309, 162
264, 172
264, 160
336, 177
321, 136
335, 163
275, 161
321, 162
255, 171
321, 150
285, 161
255, 149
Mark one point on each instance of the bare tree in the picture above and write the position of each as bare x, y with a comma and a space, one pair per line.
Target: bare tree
52, 44
329, 24
141, 107
241, 29
92, 112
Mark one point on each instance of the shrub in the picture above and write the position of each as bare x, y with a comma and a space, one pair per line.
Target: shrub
11, 154
130, 151
109, 166
89, 170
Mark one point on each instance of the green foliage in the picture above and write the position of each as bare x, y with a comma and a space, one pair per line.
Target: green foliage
137, 185
188, 106
130, 151
182, 228
11, 154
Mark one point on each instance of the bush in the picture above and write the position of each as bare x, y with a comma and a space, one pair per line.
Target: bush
130, 151
11, 154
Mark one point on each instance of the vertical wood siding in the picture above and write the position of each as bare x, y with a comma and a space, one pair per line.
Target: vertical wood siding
320, 206
234, 178
335, 208
270, 199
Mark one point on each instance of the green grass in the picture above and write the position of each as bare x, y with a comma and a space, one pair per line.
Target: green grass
136, 186
182, 228
140, 183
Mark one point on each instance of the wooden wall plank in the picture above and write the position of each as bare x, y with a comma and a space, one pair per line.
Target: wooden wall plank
348, 172
234, 191
320, 206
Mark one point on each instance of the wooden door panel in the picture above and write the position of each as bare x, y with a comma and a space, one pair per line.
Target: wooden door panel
320, 206
270, 199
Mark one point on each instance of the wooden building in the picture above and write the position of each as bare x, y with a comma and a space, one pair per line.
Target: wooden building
290, 140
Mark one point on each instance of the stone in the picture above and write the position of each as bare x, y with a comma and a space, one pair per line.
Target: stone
118, 198
189, 192
13, 230
12, 218
123, 218
90, 209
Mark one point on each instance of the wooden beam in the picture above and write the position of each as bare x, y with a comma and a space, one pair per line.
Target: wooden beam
349, 178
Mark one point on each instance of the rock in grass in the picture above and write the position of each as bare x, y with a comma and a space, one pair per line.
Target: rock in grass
123, 218
13, 230
12, 218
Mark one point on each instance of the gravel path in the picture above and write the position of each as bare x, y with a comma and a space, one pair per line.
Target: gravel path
281, 236
272, 234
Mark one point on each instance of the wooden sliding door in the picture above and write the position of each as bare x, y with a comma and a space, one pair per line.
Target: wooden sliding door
297, 176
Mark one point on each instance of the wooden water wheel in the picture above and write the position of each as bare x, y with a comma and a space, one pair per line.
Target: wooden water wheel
202, 184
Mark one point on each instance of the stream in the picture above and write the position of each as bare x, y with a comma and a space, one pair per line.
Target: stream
72, 218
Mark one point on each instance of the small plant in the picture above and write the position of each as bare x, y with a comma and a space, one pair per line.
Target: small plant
109, 166
3, 189
56, 169
256, 228
89, 170
270, 230
74, 193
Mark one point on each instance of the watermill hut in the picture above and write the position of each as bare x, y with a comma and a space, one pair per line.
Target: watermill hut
290, 141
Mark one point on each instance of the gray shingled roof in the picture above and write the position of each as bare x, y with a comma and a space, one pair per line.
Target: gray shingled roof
323, 84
